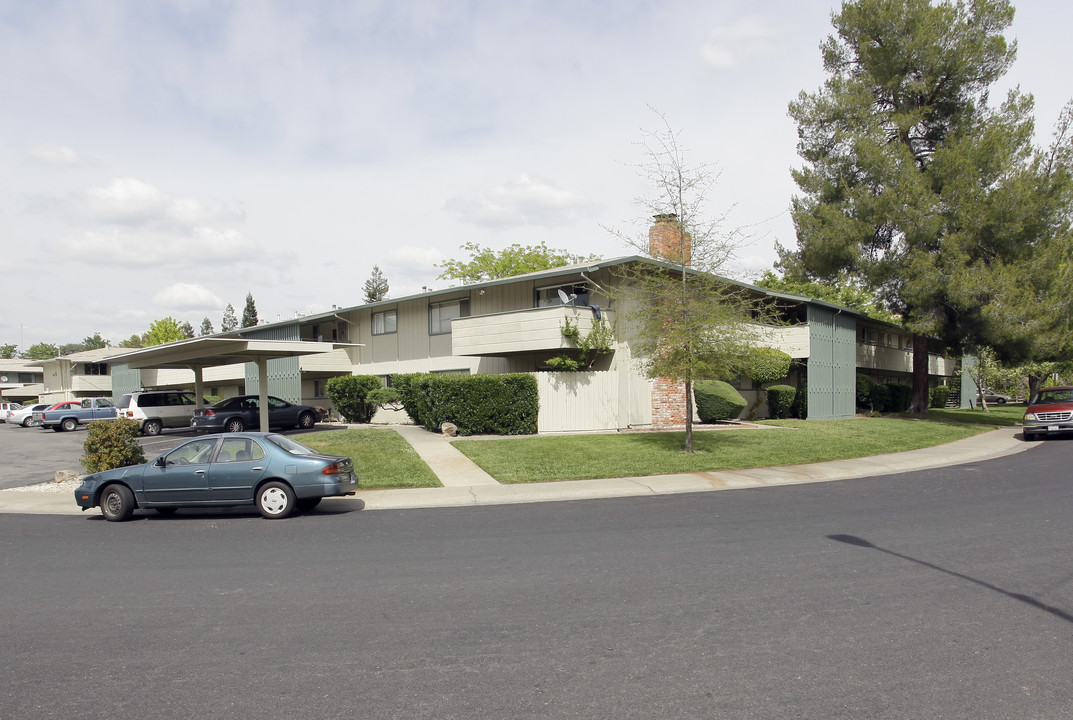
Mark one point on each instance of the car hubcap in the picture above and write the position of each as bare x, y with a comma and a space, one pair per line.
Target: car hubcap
112, 503
274, 501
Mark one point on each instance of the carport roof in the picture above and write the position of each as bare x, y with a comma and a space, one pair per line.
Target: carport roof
213, 351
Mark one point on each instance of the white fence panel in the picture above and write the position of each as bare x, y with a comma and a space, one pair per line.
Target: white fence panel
578, 401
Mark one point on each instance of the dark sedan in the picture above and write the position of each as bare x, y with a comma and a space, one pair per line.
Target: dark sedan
238, 413
273, 472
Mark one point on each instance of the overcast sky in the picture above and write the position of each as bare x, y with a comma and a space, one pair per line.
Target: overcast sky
166, 158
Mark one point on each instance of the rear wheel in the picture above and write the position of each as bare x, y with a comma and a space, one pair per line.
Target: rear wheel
117, 503
26, 422
235, 425
68, 424
275, 500
306, 420
152, 427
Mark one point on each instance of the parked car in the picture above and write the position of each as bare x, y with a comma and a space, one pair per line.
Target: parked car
238, 413
158, 409
996, 398
24, 416
273, 472
1049, 413
62, 405
8, 408
65, 419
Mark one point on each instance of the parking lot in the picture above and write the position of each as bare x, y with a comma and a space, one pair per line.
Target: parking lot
32, 455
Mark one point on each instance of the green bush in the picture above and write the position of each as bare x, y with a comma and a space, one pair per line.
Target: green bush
780, 398
864, 391
475, 404
938, 396
350, 395
901, 397
717, 401
767, 365
800, 406
111, 444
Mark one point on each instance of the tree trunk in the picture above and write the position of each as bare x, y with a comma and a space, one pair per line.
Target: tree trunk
689, 416
920, 375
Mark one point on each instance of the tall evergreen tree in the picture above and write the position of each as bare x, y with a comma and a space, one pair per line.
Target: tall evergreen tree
188, 329
229, 322
249, 313
376, 286
914, 186
206, 327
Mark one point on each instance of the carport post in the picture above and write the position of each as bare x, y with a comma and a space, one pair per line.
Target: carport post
262, 390
199, 387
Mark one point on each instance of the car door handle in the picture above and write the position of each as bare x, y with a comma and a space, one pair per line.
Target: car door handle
256, 467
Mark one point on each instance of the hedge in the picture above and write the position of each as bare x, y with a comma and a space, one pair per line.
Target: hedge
717, 401
476, 404
780, 399
938, 396
350, 395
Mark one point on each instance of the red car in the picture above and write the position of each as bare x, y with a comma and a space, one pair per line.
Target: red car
1049, 413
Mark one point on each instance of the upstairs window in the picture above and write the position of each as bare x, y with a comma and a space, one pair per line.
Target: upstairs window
386, 322
569, 294
96, 368
441, 314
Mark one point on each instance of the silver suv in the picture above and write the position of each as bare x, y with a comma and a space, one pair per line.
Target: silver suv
158, 409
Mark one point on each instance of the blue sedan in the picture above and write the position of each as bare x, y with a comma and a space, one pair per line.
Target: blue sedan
273, 472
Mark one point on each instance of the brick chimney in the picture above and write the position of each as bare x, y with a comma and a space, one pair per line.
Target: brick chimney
665, 240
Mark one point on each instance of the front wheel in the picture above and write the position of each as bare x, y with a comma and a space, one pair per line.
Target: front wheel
306, 420
235, 425
117, 503
68, 424
275, 500
152, 427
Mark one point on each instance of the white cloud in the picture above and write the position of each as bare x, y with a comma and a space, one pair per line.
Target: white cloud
749, 36
524, 200
188, 296
52, 154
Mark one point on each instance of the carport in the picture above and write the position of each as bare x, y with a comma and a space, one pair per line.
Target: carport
200, 353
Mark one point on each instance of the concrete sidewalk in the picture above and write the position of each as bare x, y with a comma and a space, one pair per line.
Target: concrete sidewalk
466, 485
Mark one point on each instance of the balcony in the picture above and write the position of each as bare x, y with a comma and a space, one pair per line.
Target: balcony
519, 331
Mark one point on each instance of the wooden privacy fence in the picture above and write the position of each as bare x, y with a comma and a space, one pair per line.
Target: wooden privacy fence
579, 401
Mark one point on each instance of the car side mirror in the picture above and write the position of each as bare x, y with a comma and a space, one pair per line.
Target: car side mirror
160, 462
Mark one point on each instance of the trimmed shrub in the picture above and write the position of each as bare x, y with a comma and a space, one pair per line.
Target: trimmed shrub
938, 396
901, 397
476, 404
864, 392
879, 398
800, 407
780, 398
350, 395
717, 401
112, 444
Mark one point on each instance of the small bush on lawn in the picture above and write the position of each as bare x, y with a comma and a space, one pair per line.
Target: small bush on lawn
938, 396
111, 444
780, 399
350, 395
717, 401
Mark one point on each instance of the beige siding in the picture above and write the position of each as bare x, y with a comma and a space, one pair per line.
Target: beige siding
575, 402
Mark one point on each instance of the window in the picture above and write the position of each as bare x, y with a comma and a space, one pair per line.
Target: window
440, 315
385, 323
575, 294
96, 368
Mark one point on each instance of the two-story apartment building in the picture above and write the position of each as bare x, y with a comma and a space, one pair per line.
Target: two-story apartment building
20, 380
72, 377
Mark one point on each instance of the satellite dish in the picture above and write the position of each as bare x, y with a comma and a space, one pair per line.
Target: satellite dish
3, 378
566, 299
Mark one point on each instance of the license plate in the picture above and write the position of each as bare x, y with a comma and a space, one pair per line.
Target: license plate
1052, 428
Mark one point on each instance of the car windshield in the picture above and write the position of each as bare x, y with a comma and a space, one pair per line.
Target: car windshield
1050, 396
291, 446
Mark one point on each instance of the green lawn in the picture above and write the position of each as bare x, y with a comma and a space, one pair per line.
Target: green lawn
998, 415
381, 458
786, 442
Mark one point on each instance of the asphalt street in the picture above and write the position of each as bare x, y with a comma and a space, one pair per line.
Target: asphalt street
937, 594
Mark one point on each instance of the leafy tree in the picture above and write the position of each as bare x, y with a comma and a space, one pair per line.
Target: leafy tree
188, 329
765, 365
229, 322
918, 190
376, 286
843, 292
489, 264
206, 327
135, 341
41, 351
164, 330
350, 394
689, 323
249, 313
8, 352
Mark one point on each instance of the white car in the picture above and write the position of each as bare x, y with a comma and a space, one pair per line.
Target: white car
6, 409
24, 416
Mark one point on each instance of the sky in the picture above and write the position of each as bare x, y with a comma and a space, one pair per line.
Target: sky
167, 158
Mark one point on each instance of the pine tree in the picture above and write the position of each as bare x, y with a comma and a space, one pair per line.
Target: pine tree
376, 286
249, 313
229, 322
206, 327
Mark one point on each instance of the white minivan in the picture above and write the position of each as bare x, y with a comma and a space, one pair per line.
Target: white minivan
158, 409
